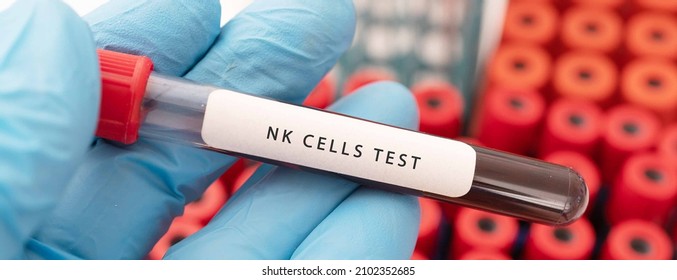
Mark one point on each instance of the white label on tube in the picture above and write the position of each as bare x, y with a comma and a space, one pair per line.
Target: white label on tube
307, 137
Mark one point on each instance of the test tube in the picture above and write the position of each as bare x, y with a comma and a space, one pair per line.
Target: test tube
591, 29
477, 230
531, 22
585, 76
139, 102
652, 34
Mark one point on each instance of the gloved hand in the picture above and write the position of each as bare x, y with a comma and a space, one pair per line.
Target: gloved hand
62, 197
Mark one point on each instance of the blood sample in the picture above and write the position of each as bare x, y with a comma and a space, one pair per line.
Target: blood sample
584, 166
179, 111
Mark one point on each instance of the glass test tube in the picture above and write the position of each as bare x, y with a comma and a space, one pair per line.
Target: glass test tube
372, 154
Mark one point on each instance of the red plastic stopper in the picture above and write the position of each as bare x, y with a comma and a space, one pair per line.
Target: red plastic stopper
124, 78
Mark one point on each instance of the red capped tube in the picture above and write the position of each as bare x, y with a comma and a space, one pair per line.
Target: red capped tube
418, 256
478, 230
244, 176
651, 84
369, 153
611, 4
203, 209
440, 107
366, 76
125, 78
179, 230
628, 129
228, 178
584, 166
573, 242
529, 21
637, 240
591, 29
667, 146
520, 66
571, 125
510, 119
323, 95
656, 5
646, 189
585, 76
651, 34
429, 229
484, 255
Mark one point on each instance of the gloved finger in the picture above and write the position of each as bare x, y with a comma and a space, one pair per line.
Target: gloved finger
175, 34
145, 185
272, 217
124, 197
49, 99
376, 224
279, 48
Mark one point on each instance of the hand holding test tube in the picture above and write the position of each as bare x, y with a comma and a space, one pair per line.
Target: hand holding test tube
110, 201
138, 181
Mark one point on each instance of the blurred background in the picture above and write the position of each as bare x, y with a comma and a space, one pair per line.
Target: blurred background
591, 84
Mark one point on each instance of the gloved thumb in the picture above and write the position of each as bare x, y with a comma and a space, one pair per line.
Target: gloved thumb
49, 99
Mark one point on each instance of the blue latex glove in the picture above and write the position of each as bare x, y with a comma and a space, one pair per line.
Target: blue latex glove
61, 198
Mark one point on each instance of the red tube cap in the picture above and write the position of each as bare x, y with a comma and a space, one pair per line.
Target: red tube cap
475, 230
652, 34
585, 76
573, 242
484, 255
323, 94
637, 240
571, 125
510, 119
124, 78
179, 230
364, 77
428, 233
530, 21
440, 107
520, 66
645, 189
592, 28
